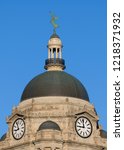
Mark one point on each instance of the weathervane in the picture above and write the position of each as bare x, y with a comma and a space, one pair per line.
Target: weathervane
53, 19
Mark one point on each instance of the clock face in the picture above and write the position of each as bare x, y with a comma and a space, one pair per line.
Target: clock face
83, 127
18, 129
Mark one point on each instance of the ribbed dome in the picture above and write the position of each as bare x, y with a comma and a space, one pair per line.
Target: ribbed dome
54, 83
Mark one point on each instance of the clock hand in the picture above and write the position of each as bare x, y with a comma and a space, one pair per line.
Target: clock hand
17, 126
16, 129
81, 126
83, 123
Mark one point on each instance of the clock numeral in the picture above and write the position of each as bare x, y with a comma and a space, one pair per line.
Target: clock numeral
22, 124
22, 131
88, 128
79, 122
81, 132
82, 120
79, 129
88, 131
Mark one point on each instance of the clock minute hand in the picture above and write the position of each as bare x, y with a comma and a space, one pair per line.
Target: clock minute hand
17, 126
81, 126
83, 123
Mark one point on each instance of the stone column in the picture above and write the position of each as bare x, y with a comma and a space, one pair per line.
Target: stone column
60, 53
52, 54
56, 52
49, 53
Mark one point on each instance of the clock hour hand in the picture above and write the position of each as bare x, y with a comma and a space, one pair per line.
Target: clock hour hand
16, 129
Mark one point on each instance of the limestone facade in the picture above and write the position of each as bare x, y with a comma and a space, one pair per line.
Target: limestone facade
63, 111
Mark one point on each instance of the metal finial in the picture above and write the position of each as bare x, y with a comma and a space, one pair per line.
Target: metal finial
53, 19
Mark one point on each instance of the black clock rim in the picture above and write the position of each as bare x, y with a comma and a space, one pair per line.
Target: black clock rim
13, 126
91, 127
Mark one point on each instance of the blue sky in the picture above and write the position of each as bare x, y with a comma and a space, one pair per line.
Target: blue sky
24, 32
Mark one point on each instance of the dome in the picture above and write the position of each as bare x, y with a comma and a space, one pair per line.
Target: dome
54, 83
49, 125
54, 40
54, 35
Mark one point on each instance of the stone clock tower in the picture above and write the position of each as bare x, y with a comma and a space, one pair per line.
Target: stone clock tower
54, 112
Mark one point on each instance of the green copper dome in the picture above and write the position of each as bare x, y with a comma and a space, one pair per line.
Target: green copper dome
54, 83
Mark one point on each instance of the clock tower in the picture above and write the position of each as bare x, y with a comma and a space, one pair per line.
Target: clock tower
54, 112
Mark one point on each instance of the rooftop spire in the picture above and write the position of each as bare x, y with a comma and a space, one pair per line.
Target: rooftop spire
54, 61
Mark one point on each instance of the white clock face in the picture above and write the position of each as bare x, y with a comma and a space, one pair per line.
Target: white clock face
83, 127
18, 129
